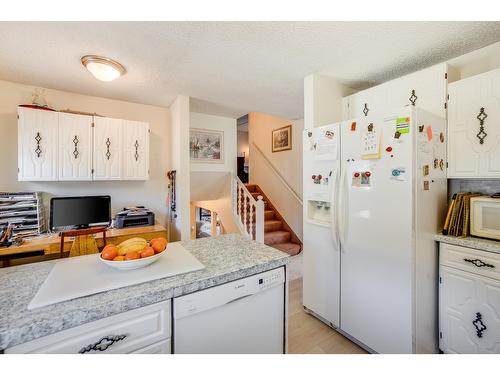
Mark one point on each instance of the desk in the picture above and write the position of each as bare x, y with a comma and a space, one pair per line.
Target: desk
50, 243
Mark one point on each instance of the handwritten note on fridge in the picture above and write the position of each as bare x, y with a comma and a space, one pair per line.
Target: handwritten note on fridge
326, 145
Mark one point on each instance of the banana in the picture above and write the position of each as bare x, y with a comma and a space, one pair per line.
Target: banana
132, 244
133, 240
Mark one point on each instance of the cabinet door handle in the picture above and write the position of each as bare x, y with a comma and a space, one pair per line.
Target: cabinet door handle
108, 143
479, 325
38, 150
102, 344
136, 145
481, 135
365, 109
479, 263
75, 142
413, 97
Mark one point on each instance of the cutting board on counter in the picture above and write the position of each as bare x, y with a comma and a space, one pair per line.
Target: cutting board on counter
86, 275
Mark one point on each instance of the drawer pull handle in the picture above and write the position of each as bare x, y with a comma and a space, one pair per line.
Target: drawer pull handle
479, 263
479, 325
102, 344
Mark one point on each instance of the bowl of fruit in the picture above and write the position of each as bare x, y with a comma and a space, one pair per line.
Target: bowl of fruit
133, 253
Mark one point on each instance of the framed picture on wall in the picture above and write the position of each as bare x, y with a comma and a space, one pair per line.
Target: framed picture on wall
206, 146
282, 139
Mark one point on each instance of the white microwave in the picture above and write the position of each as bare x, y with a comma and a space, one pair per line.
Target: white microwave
485, 217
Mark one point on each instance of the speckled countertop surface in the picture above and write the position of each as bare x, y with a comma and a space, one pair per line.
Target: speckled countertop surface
471, 242
226, 258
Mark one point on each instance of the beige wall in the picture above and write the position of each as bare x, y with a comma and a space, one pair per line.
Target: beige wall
323, 100
211, 182
288, 163
151, 193
219, 123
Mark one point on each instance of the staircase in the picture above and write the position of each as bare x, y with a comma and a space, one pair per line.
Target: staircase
277, 233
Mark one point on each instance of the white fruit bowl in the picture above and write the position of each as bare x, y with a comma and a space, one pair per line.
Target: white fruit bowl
132, 264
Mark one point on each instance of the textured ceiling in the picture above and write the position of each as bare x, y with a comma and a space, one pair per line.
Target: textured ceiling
229, 68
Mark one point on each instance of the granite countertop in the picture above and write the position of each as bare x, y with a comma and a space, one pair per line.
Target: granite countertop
471, 242
226, 258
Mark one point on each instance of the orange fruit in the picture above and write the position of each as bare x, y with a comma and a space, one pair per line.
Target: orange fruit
110, 252
158, 246
119, 257
147, 252
132, 255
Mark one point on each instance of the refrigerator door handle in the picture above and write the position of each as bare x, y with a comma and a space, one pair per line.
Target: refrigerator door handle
333, 210
342, 206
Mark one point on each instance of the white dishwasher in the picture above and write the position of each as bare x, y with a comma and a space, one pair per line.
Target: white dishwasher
243, 316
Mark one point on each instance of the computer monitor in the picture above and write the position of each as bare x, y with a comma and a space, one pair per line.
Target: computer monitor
80, 212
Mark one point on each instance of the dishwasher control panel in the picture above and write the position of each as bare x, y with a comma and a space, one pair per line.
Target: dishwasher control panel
270, 278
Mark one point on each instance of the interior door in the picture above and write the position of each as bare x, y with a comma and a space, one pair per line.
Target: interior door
469, 312
75, 147
37, 144
474, 144
135, 150
108, 148
375, 217
321, 254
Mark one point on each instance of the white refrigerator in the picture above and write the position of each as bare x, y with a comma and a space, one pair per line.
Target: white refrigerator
370, 260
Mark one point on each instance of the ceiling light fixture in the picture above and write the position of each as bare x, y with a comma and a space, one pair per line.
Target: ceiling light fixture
102, 68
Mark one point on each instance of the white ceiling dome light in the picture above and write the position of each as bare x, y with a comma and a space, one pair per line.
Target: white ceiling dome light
102, 68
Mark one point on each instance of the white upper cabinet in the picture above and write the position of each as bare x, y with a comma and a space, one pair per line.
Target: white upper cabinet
425, 89
58, 146
473, 127
75, 147
135, 150
37, 145
369, 102
108, 148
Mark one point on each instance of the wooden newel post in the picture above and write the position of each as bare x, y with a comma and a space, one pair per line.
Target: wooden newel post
259, 220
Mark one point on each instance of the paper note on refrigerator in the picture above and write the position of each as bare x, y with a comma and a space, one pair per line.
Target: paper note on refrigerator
403, 125
371, 145
326, 145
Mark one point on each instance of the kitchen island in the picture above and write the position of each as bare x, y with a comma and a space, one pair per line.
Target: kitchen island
226, 258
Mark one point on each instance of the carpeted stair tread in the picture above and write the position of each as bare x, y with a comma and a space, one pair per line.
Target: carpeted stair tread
288, 247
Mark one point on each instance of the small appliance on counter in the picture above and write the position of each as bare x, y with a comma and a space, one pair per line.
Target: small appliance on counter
135, 216
485, 216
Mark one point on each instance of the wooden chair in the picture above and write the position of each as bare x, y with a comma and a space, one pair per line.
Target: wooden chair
84, 242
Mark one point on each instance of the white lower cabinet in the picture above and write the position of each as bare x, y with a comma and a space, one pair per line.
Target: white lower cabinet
162, 347
469, 301
143, 330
